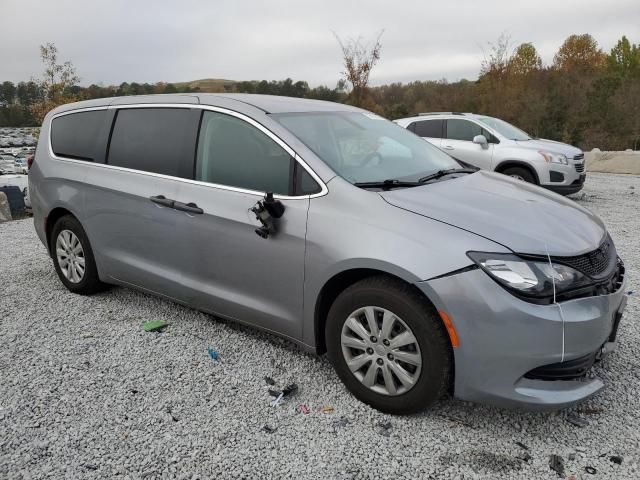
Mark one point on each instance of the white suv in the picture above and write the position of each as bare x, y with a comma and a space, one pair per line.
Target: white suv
493, 144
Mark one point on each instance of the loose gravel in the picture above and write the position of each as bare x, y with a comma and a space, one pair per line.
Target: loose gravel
85, 392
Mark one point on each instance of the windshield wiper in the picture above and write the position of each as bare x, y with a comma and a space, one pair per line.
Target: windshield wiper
387, 184
442, 173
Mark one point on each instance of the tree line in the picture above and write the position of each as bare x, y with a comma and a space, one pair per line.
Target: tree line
586, 97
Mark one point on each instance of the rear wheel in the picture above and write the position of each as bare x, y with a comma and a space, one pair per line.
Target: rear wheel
73, 258
388, 346
520, 173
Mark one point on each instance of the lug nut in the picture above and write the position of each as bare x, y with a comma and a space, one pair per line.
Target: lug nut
373, 339
390, 356
379, 361
370, 351
385, 342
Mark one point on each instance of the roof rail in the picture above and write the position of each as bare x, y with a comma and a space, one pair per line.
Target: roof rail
423, 114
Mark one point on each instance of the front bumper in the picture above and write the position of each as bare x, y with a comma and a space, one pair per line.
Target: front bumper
564, 179
503, 338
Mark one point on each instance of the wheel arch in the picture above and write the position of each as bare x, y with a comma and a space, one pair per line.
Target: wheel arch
50, 220
502, 166
338, 283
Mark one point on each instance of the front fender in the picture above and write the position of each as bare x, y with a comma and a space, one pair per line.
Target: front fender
372, 234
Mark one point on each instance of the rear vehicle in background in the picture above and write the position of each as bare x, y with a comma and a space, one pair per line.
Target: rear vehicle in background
20, 164
340, 231
493, 144
7, 165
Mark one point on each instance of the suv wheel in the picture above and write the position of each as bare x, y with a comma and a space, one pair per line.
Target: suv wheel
520, 173
388, 346
73, 257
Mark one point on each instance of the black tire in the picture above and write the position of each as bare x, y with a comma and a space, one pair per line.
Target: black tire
90, 282
424, 322
521, 173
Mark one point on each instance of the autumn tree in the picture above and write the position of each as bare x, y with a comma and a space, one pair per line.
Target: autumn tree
56, 83
579, 52
359, 59
494, 97
58, 77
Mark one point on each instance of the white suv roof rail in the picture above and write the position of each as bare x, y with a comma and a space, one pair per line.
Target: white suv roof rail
423, 114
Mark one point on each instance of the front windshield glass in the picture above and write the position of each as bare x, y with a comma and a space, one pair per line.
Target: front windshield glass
363, 147
505, 129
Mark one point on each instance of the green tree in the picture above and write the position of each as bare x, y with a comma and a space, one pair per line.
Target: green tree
525, 60
170, 88
7, 93
624, 59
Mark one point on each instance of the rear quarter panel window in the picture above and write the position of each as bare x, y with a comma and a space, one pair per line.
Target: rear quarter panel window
429, 128
156, 140
81, 136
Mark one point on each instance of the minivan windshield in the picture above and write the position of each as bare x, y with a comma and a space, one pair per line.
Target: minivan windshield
505, 129
363, 147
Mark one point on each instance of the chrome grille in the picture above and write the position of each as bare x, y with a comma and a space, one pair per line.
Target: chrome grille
579, 167
580, 156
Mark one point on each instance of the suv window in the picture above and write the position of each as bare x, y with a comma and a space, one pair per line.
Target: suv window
429, 128
80, 136
465, 130
462, 130
234, 153
156, 140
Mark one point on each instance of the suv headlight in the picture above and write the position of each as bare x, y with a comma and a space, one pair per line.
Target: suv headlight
554, 157
529, 277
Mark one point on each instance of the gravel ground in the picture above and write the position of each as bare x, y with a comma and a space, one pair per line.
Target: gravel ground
85, 392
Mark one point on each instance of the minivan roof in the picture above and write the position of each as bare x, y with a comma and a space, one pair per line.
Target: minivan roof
266, 103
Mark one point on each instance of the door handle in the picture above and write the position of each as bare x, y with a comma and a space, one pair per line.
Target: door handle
448, 147
162, 200
188, 207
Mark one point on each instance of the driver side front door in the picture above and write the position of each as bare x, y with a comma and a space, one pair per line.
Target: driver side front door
232, 271
458, 143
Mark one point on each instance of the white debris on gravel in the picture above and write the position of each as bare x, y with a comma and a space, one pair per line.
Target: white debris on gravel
85, 392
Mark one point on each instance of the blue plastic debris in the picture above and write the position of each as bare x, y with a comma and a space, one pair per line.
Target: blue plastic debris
212, 353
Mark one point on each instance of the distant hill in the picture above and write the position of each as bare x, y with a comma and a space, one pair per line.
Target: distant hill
207, 84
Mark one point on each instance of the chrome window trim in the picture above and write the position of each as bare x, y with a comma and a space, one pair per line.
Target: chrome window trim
297, 158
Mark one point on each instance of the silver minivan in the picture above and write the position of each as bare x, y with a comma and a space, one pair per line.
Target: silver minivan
340, 231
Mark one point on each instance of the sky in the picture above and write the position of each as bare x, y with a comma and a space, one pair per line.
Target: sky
113, 41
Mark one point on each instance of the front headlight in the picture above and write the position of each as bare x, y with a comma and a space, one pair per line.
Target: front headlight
529, 277
554, 157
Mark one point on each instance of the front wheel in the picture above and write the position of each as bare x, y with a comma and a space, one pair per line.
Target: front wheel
520, 173
388, 346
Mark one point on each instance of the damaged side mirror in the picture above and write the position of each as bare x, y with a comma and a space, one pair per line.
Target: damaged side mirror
266, 212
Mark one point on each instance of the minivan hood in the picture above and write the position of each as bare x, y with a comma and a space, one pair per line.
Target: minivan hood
520, 216
550, 146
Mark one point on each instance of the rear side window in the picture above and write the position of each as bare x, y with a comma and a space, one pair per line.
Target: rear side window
80, 136
156, 140
233, 152
429, 128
